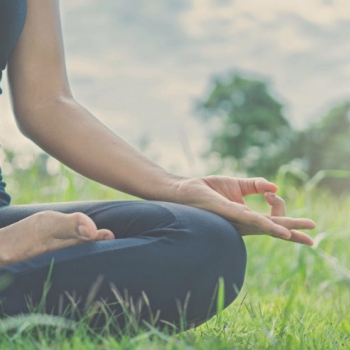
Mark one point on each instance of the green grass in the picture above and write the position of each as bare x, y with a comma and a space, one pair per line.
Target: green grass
294, 297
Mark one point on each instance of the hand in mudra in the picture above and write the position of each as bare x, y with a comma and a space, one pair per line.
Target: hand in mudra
224, 196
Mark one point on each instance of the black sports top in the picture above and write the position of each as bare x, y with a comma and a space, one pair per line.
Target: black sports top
12, 19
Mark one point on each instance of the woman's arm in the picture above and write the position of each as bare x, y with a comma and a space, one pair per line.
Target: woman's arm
47, 113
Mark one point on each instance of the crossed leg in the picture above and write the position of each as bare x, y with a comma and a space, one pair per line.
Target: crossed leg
172, 253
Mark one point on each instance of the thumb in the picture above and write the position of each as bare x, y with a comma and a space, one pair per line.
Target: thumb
256, 185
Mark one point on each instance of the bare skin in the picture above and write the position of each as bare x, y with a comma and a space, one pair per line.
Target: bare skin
49, 115
46, 231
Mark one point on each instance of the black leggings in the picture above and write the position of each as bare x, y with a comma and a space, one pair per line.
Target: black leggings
173, 254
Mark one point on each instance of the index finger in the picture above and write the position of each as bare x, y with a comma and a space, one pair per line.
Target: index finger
278, 206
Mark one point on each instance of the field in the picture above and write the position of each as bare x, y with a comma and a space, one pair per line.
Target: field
294, 297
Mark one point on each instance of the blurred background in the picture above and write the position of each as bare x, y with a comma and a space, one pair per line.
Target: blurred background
252, 88
210, 86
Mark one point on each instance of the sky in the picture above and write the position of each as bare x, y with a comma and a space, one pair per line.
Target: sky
141, 66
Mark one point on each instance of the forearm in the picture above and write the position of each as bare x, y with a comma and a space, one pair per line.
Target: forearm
70, 133
47, 113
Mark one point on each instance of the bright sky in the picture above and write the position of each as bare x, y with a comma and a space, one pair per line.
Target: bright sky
141, 65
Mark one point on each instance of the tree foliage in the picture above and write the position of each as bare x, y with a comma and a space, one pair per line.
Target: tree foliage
325, 144
252, 129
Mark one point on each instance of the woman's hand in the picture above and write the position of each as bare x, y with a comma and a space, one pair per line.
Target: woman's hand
224, 196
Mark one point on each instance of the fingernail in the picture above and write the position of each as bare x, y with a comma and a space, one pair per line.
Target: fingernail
286, 234
271, 195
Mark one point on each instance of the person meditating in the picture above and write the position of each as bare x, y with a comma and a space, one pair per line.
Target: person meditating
173, 246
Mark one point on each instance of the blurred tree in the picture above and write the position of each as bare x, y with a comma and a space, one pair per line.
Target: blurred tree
250, 125
247, 125
325, 144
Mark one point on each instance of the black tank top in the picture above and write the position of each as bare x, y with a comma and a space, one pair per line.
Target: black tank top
12, 19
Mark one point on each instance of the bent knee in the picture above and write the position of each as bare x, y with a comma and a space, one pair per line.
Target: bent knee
218, 254
207, 242
215, 249
210, 231
225, 255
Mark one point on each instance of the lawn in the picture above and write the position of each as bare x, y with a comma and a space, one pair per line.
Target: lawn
294, 297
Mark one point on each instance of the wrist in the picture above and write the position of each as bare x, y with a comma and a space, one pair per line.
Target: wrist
168, 189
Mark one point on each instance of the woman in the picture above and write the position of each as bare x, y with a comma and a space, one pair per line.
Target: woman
173, 247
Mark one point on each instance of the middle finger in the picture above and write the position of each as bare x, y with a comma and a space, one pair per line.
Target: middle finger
292, 223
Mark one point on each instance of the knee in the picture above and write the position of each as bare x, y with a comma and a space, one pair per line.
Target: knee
231, 263
215, 242
223, 255
215, 251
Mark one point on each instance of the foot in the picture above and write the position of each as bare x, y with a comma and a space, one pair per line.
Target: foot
46, 231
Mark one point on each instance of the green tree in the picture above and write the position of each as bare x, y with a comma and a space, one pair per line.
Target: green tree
325, 144
252, 128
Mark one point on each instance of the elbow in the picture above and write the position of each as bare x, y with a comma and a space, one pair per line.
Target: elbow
35, 118
22, 117
26, 117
